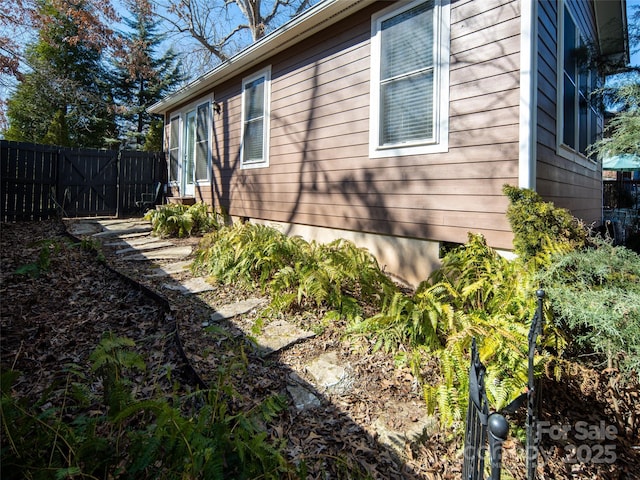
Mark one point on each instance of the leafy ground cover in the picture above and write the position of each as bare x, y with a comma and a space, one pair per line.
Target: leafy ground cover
63, 300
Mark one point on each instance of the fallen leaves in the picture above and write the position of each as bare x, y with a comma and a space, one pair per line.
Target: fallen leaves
51, 322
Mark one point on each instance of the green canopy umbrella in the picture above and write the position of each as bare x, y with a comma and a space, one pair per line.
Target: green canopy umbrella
621, 163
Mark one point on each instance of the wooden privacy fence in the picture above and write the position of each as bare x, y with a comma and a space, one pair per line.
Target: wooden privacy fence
42, 181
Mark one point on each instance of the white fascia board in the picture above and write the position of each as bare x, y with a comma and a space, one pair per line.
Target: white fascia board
317, 18
528, 95
611, 22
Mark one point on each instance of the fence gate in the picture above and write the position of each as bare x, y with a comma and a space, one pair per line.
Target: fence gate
88, 182
41, 181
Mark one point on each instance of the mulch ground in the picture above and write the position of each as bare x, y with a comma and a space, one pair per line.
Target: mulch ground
52, 322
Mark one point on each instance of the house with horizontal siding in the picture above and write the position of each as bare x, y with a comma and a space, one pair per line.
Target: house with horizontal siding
395, 124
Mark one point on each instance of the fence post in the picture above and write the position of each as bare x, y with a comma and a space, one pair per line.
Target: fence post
119, 184
532, 398
481, 426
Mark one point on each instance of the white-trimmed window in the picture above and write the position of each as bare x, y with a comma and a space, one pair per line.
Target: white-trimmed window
255, 120
410, 79
579, 119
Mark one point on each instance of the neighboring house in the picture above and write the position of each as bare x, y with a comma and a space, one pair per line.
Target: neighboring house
396, 124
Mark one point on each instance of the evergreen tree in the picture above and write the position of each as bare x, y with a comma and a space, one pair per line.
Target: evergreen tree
141, 77
622, 96
64, 98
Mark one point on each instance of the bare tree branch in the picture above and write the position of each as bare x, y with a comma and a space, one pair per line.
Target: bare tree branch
218, 25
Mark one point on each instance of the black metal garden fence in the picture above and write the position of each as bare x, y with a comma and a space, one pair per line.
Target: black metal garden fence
489, 430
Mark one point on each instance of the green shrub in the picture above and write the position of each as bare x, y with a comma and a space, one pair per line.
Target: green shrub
595, 299
539, 227
246, 253
338, 275
176, 220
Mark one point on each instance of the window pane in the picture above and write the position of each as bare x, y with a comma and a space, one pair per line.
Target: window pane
254, 100
407, 109
202, 143
407, 42
406, 76
569, 126
594, 127
583, 119
254, 111
203, 123
174, 149
202, 152
569, 46
189, 147
253, 144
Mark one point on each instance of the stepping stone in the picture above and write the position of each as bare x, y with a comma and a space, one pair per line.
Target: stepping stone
140, 239
190, 286
117, 221
172, 253
170, 269
117, 232
120, 227
329, 374
118, 243
127, 236
229, 311
279, 334
84, 228
144, 247
417, 424
274, 336
303, 398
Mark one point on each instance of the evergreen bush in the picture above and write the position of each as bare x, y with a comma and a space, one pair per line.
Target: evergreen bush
594, 295
539, 227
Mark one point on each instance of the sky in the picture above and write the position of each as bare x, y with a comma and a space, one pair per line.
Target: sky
6, 86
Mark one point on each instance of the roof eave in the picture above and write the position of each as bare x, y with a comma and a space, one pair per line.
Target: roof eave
306, 24
613, 37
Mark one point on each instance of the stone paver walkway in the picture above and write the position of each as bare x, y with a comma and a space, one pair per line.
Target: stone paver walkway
325, 374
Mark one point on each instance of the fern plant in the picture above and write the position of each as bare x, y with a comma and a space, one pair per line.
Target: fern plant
155, 438
177, 220
247, 253
338, 275
111, 359
38, 442
296, 272
475, 294
42, 264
